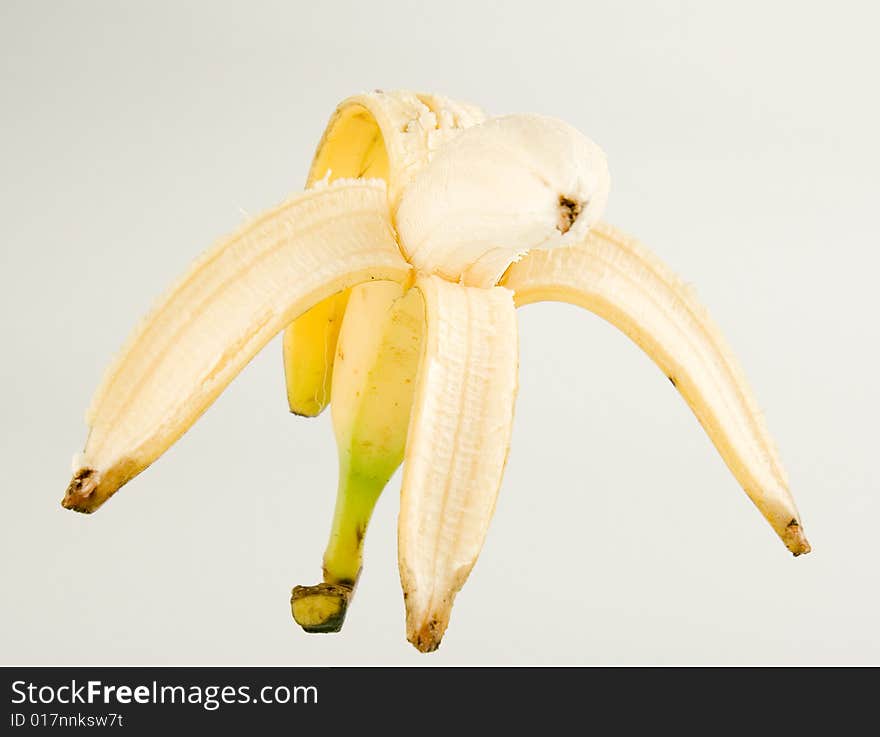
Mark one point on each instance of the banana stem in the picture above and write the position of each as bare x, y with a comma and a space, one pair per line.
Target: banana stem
355, 500
322, 608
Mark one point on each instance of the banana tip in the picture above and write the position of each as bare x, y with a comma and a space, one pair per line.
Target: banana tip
81, 494
427, 638
795, 539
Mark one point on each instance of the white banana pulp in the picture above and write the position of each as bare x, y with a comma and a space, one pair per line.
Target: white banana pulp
396, 275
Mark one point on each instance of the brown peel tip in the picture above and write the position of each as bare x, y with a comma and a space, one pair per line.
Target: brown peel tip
795, 539
81, 492
427, 638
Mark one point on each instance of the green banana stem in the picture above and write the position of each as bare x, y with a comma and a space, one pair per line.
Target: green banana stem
356, 498
322, 608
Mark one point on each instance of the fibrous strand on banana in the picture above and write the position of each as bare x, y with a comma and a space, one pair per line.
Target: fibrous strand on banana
395, 276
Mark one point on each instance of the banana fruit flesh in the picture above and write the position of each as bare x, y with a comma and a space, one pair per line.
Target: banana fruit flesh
550, 198
396, 275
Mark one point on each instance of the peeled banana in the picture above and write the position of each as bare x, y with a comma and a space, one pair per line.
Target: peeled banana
395, 276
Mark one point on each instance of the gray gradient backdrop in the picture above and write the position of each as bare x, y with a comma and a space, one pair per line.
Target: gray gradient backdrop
742, 140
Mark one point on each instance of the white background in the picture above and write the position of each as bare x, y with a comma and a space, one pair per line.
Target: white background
743, 145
